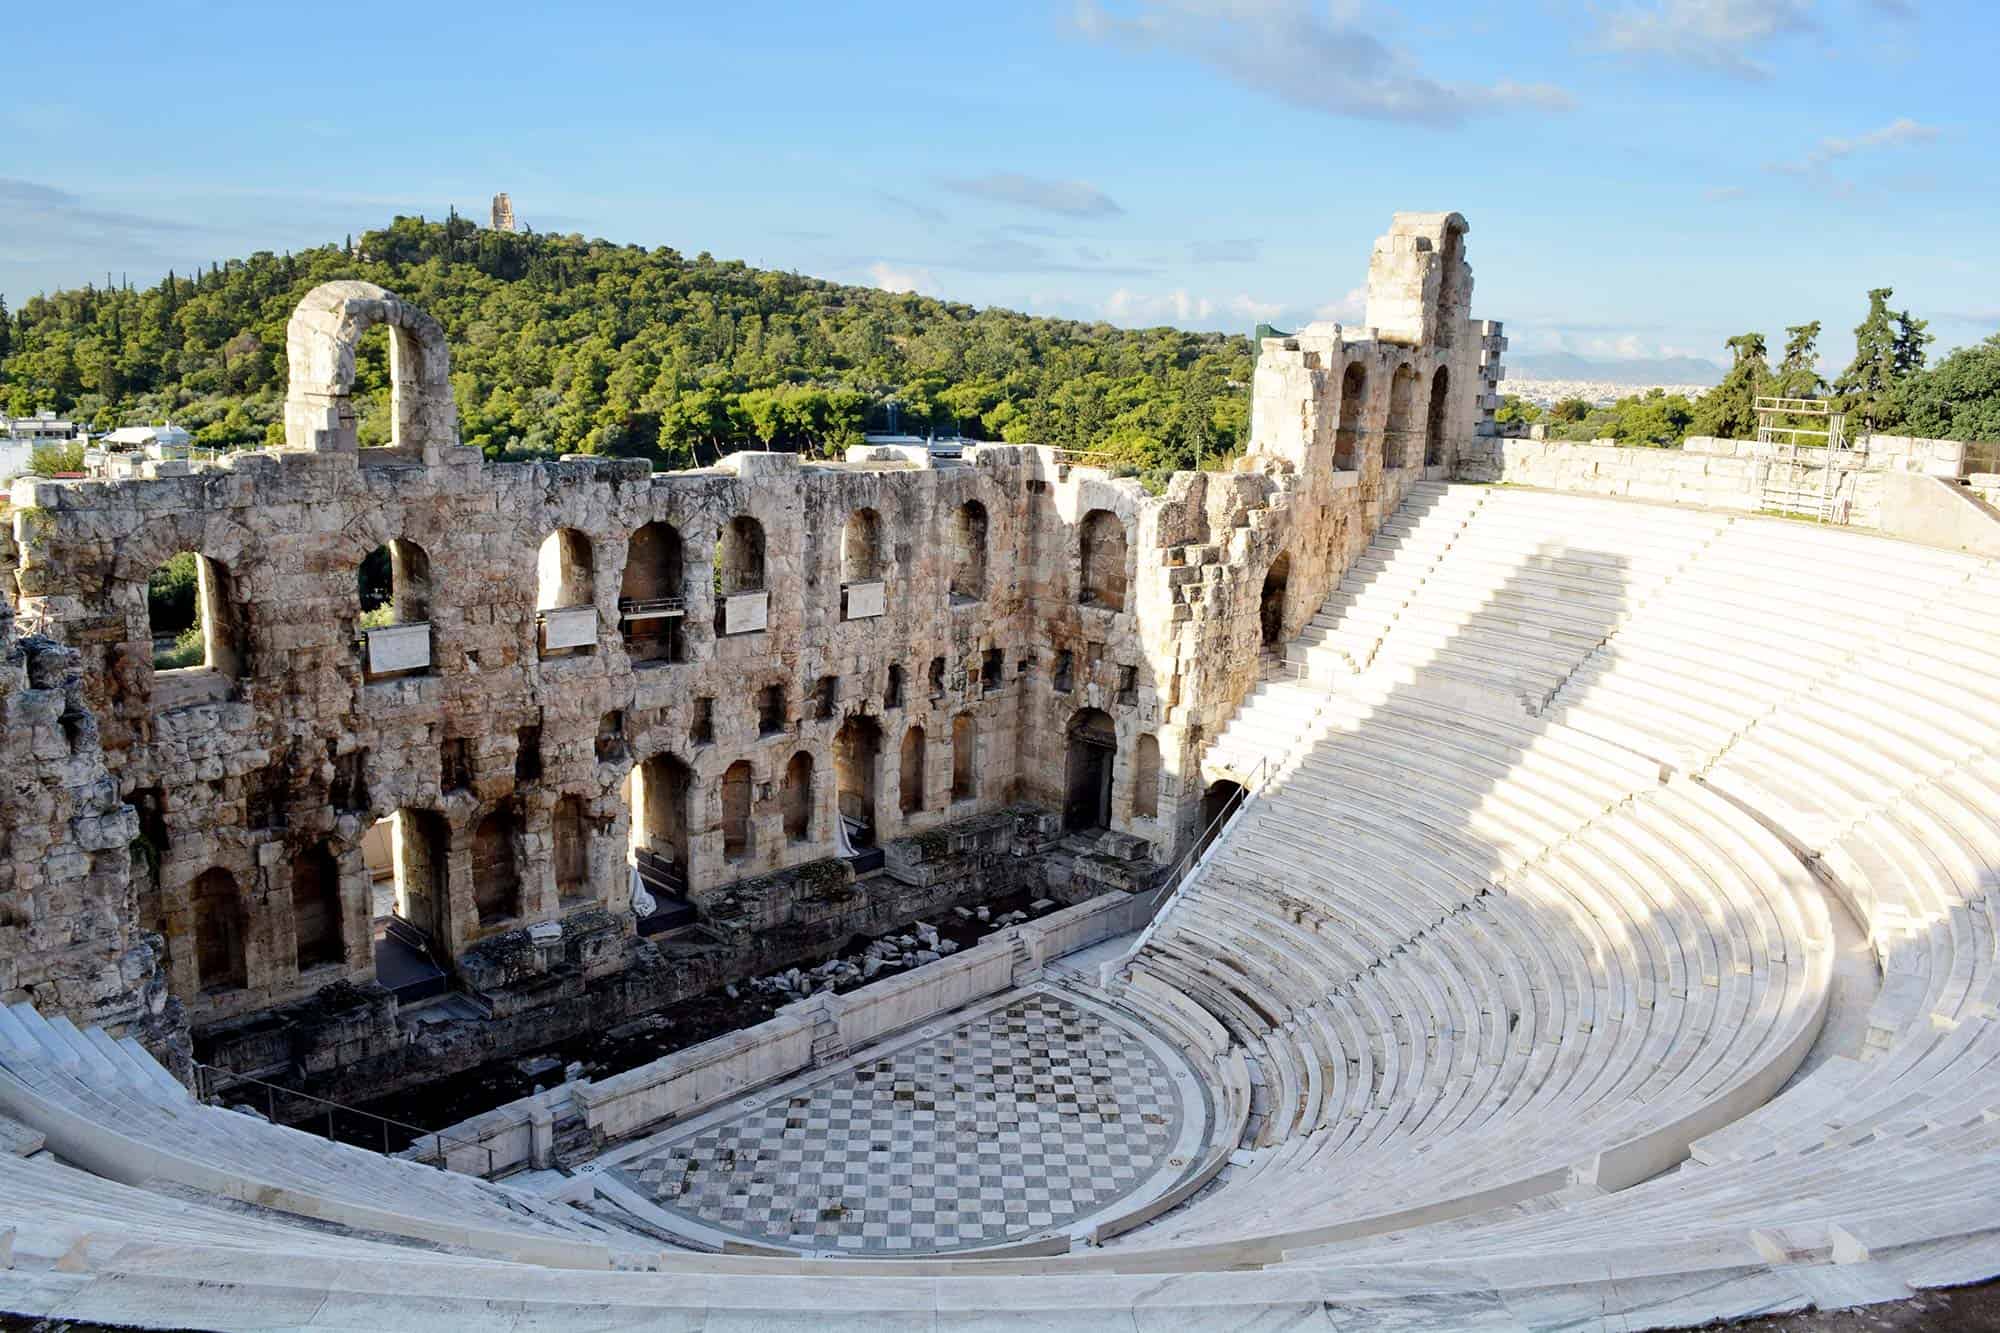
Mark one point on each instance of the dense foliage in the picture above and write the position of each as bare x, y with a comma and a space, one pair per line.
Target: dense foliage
561, 344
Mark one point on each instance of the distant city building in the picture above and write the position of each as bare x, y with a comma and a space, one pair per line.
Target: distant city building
156, 441
41, 428
503, 213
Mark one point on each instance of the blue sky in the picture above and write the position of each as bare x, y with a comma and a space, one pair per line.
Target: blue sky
1643, 177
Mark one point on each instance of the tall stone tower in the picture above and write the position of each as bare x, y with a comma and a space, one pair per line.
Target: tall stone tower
503, 213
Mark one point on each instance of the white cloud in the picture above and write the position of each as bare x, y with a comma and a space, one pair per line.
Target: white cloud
892, 278
1816, 165
1350, 309
1126, 306
1723, 35
1073, 199
1252, 310
1320, 57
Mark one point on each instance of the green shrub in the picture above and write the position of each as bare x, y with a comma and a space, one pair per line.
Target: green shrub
188, 651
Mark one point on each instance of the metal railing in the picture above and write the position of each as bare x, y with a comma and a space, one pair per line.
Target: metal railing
1250, 785
211, 1083
641, 606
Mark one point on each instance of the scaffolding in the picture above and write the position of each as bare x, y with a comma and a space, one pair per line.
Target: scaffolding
1797, 437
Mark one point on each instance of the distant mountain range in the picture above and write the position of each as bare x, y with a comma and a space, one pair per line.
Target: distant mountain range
1637, 370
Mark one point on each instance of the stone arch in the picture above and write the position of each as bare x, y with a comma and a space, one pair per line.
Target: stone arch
857, 751
316, 908
1397, 440
1146, 777
968, 552
1092, 759
565, 570
496, 874
1454, 291
861, 558
660, 792
192, 618
964, 757
1353, 416
1271, 602
798, 797
1101, 560
1438, 419
220, 927
393, 582
911, 784
569, 839
1219, 805
320, 343
738, 785
739, 556
652, 594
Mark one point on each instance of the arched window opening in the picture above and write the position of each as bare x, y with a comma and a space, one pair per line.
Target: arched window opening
1452, 300
652, 596
1400, 440
964, 757
394, 583
564, 570
1093, 755
496, 876
968, 553
856, 750
569, 836
892, 694
316, 915
658, 795
861, 547
1438, 419
1219, 805
910, 779
1271, 604
741, 603
408, 857
798, 795
1146, 778
191, 617
565, 593
1101, 560
1353, 417
219, 921
736, 789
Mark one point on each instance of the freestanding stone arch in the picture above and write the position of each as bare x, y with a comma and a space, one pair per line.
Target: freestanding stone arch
320, 343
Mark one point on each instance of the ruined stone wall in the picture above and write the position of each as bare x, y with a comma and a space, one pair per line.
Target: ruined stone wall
1096, 613
69, 942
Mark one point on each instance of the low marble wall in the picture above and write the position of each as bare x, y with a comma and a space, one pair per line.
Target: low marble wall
517, 1134
1720, 474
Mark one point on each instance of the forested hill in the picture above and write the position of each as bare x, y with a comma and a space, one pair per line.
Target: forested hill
561, 344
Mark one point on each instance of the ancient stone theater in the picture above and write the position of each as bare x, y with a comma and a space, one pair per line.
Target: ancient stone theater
1412, 878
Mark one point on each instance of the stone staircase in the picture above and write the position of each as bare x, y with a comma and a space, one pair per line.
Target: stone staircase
1345, 634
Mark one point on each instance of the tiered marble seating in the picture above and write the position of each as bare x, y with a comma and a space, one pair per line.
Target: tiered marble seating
108, 1106
1466, 953
1512, 598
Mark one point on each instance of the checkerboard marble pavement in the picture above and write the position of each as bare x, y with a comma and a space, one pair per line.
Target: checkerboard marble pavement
1011, 1124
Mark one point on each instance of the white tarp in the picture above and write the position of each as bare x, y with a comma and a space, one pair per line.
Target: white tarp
865, 600
745, 612
399, 647
569, 627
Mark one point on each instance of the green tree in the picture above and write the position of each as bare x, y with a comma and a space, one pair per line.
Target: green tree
52, 460
1729, 410
1959, 398
1798, 374
1888, 348
1516, 411
1568, 411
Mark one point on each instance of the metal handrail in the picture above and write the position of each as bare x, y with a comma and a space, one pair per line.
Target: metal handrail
208, 1089
627, 605
1183, 870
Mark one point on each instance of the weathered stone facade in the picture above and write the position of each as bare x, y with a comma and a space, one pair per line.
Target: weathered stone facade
584, 656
